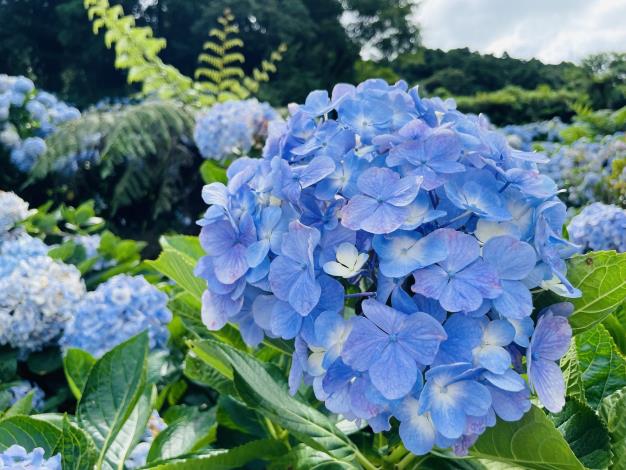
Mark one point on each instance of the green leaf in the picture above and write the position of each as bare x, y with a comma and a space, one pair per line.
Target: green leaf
21, 407
612, 410
29, 433
615, 323
112, 390
78, 452
218, 377
77, 364
44, 362
8, 364
532, 442
225, 459
184, 435
132, 431
602, 367
601, 276
186, 244
303, 457
179, 268
211, 172
585, 433
572, 374
233, 414
260, 390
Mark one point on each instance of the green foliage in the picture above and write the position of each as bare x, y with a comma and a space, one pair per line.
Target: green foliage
612, 412
77, 365
533, 443
513, 104
585, 433
137, 50
113, 388
601, 276
599, 369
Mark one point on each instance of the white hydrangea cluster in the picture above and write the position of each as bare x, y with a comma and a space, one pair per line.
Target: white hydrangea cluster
13, 209
37, 294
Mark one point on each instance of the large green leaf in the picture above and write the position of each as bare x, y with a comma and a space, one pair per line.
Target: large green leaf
29, 433
615, 323
187, 434
613, 410
113, 387
303, 457
179, 267
601, 276
186, 244
215, 375
261, 391
77, 364
532, 442
78, 452
131, 432
585, 433
602, 367
225, 459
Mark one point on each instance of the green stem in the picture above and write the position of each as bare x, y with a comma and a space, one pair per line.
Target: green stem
397, 454
406, 461
366, 464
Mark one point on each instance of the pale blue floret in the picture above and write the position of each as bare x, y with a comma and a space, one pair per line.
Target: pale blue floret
18, 458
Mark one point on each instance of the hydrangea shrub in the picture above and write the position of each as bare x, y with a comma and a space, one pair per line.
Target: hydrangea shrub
232, 127
599, 227
397, 241
118, 309
38, 114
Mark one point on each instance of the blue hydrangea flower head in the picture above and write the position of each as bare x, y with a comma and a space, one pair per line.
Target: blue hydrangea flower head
599, 227
396, 240
13, 209
232, 128
118, 309
38, 295
44, 112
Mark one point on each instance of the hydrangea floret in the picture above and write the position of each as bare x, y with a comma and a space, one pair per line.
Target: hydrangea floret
18, 458
118, 309
599, 227
232, 127
397, 241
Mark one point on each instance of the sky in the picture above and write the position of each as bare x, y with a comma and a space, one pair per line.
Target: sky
550, 30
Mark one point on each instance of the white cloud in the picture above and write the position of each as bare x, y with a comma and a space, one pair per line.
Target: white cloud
550, 30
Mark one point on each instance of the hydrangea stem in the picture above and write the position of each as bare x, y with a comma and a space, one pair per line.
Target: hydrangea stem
360, 294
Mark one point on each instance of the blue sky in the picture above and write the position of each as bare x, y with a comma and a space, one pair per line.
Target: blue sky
550, 30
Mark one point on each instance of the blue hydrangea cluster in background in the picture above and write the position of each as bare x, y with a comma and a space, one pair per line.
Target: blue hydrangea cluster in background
583, 167
232, 128
117, 310
18, 458
397, 240
44, 113
38, 295
522, 136
139, 455
22, 389
13, 210
599, 227
91, 244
